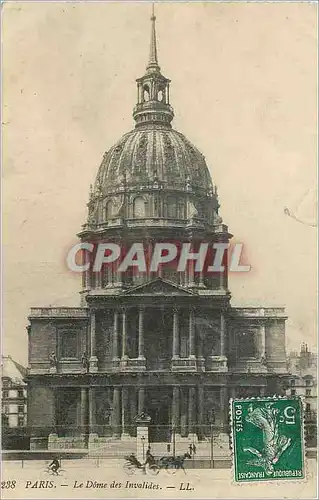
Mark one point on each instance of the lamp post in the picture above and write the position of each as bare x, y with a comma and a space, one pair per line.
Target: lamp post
143, 446
174, 441
211, 446
212, 421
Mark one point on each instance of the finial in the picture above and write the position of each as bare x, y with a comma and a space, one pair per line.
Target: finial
152, 61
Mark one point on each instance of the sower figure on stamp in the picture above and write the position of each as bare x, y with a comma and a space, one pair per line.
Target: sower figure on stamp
274, 443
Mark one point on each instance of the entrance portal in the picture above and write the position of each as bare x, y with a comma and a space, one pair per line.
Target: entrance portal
158, 406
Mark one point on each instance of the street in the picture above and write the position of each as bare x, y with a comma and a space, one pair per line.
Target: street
105, 478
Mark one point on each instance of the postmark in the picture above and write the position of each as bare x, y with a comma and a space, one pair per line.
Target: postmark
267, 439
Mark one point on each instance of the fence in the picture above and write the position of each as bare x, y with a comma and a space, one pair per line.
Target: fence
206, 441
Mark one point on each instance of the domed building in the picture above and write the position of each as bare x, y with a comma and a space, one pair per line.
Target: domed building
167, 343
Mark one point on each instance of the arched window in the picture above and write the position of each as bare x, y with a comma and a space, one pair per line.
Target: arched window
139, 207
100, 213
160, 96
108, 210
146, 93
171, 204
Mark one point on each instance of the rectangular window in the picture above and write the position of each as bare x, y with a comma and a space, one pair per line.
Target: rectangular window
308, 382
69, 344
20, 421
293, 392
5, 394
246, 344
293, 382
20, 393
308, 392
20, 409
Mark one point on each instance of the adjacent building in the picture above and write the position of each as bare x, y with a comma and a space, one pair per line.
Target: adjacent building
302, 368
169, 343
14, 403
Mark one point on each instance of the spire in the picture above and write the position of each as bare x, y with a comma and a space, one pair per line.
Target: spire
152, 60
153, 105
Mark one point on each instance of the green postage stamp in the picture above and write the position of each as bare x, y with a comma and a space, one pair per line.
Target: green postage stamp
268, 438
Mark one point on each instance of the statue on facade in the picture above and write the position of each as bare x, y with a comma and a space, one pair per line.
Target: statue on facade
53, 361
85, 361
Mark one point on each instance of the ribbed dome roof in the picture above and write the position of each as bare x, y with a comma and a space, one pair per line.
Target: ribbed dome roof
153, 153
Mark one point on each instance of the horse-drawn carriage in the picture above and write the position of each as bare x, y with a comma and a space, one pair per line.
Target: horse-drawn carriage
153, 465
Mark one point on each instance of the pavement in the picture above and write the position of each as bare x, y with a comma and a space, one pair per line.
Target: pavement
105, 478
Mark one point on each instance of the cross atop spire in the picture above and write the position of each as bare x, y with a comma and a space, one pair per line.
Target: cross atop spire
152, 60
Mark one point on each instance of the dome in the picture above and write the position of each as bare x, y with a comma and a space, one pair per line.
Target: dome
153, 154
153, 172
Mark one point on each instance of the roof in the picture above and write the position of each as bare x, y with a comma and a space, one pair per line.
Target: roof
13, 370
154, 153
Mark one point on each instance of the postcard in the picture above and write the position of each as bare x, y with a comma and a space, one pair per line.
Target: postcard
159, 250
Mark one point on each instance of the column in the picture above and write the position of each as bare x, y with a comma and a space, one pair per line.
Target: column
125, 412
84, 410
262, 391
92, 411
200, 409
141, 333
133, 405
175, 334
98, 279
124, 333
53, 406
262, 343
191, 333
176, 408
86, 279
116, 336
200, 346
116, 417
201, 279
191, 410
184, 411
191, 276
222, 279
149, 244
222, 334
223, 274
222, 438
92, 333
93, 358
141, 399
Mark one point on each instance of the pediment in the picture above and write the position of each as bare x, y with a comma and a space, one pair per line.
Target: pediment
159, 286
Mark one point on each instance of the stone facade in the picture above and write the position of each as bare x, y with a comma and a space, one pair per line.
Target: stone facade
168, 343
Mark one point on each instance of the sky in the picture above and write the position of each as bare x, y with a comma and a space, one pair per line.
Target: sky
244, 92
